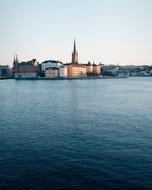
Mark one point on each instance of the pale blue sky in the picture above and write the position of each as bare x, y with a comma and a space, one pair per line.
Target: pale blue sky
107, 31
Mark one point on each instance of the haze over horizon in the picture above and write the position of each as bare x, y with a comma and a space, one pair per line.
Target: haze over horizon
106, 31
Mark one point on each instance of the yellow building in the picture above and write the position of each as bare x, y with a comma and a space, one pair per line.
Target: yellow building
93, 69
96, 69
76, 70
89, 67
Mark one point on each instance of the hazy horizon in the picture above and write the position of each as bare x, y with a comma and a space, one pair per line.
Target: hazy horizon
106, 31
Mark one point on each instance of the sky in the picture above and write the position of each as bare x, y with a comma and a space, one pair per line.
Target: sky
106, 31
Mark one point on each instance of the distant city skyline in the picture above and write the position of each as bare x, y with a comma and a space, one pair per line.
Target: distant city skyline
106, 31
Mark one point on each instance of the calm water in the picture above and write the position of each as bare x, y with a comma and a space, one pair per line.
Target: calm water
84, 134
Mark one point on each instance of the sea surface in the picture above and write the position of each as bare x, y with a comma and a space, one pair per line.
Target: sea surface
76, 135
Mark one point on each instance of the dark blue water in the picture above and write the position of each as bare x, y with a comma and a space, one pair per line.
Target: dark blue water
82, 134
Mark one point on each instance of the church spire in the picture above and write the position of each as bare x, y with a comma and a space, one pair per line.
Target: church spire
14, 58
74, 50
74, 54
17, 59
15, 63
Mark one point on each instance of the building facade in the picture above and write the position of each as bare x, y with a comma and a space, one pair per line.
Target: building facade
52, 72
50, 64
28, 69
63, 71
96, 69
76, 71
89, 69
4, 72
93, 69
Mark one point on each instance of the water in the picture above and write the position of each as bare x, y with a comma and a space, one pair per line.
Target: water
82, 134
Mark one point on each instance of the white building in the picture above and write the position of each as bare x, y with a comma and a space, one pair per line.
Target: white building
50, 64
52, 72
63, 71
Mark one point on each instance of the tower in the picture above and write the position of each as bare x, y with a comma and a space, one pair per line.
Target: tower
15, 64
75, 54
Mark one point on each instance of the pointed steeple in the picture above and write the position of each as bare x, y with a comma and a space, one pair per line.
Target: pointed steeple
74, 49
17, 59
74, 54
15, 63
14, 60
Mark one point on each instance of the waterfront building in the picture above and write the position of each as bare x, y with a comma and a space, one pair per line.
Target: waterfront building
89, 69
96, 69
110, 70
76, 71
93, 69
4, 72
50, 64
52, 72
63, 71
29, 69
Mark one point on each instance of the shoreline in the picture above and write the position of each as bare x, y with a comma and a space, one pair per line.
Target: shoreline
84, 78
